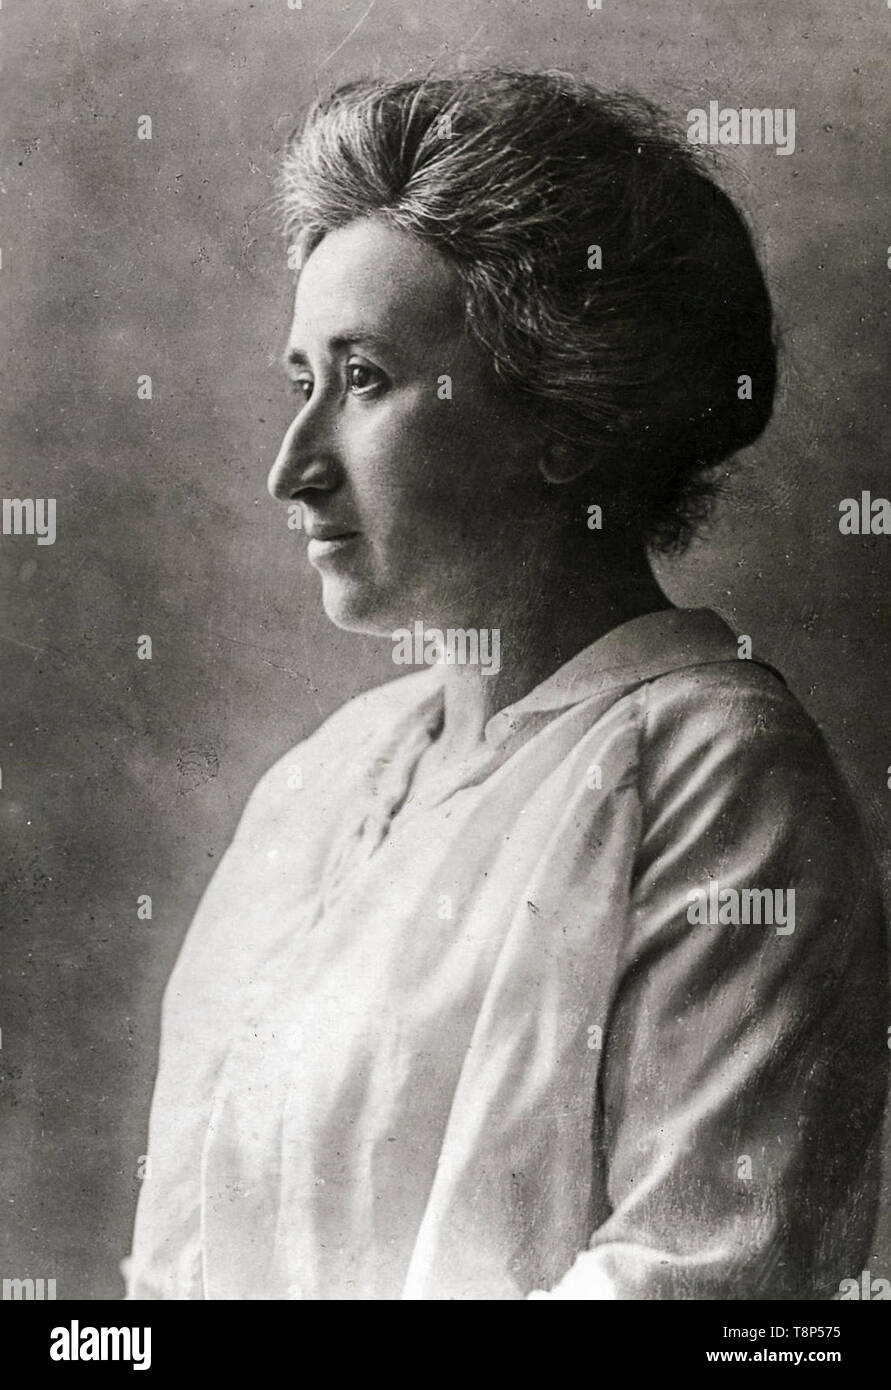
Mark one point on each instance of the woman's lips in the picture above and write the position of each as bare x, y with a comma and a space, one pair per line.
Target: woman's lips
321, 546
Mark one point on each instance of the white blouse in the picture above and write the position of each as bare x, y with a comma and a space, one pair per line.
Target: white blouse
543, 1031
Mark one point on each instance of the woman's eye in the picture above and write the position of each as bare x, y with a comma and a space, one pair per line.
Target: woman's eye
302, 387
363, 379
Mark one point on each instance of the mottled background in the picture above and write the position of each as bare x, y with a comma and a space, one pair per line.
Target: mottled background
122, 257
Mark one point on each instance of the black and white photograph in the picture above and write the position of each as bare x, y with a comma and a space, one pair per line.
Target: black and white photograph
445, 775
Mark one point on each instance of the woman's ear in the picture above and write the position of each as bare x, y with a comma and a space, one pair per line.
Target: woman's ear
559, 463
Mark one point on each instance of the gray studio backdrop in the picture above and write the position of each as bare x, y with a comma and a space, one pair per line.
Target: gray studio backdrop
123, 258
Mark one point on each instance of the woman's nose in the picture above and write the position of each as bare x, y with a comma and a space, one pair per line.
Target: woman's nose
302, 462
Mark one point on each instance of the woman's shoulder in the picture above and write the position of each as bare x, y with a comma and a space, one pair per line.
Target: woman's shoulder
743, 704
736, 729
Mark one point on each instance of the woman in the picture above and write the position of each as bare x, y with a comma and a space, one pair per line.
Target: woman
562, 975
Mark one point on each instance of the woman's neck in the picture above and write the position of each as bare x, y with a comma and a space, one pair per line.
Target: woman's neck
541, 623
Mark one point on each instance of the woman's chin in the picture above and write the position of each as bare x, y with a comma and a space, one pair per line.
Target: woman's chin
355, 608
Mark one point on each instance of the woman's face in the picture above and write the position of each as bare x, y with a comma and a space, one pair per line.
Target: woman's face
415, 476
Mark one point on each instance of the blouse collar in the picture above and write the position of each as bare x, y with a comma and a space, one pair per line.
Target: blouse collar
638, 650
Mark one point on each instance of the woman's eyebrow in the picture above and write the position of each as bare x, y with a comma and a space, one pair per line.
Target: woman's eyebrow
360, 337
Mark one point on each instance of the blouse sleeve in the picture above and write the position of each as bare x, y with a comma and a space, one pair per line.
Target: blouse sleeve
745, 1062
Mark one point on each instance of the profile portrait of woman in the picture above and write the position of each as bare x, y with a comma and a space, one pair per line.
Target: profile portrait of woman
555, 966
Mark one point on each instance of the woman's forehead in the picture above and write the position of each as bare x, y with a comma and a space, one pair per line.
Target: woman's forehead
371, 280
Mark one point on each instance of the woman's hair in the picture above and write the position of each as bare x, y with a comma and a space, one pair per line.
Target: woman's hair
629, 358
